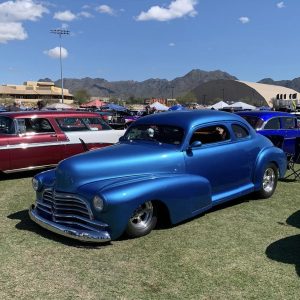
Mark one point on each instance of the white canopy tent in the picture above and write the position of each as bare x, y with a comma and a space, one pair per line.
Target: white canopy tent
218, 105
242, 105
58, 106
159, 106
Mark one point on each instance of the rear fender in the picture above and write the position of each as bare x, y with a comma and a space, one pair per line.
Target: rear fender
269, 155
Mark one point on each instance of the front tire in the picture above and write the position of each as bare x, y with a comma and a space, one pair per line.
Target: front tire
269, 181
142, 221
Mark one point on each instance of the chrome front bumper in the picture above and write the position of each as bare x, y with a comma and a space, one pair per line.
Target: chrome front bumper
81, 235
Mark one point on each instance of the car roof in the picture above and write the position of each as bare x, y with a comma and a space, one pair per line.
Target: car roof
264, 115
189, 118
48, 113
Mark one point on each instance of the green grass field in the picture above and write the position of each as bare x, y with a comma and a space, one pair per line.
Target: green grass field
247, 249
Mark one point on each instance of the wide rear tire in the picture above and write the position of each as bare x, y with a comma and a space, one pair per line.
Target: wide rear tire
269, 181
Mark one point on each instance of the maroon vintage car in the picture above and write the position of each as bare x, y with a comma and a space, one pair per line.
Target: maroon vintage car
40, 139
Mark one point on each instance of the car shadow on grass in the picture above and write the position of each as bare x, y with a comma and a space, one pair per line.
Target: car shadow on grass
27, 224
287, 250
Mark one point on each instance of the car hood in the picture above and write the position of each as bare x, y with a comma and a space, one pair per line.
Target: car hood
110, 164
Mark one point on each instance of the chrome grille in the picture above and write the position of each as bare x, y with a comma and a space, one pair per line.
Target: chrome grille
67, 209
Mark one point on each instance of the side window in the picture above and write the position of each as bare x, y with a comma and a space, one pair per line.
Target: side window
71, 124
6, 126
273, 124
240, 132
210, 134
288, 123
96, 123
36, 125
42, 125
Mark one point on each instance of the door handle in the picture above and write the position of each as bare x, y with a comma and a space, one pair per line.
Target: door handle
53, 135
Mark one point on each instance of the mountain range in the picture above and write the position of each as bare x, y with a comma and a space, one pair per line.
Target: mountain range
157, 88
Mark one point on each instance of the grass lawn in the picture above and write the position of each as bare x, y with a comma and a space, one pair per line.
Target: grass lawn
247, 249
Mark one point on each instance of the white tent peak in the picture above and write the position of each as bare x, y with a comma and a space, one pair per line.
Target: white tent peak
159, 106
218, 105
243, 105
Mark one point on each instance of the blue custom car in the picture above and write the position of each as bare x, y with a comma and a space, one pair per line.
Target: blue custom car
275, 124
171, 165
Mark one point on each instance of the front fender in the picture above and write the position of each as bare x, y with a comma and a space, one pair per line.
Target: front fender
183, 195
269, 155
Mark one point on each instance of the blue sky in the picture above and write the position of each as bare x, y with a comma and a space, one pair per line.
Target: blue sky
142, 39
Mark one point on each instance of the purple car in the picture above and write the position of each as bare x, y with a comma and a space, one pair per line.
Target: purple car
275, 124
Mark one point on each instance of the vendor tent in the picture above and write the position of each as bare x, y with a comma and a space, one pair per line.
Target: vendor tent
58, 106
159, 106
242, 105
95, 103
218, 105
111, 106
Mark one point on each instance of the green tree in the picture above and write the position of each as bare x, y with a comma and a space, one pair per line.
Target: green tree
82, 96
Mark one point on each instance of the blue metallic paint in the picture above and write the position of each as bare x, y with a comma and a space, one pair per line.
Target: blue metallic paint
187, 181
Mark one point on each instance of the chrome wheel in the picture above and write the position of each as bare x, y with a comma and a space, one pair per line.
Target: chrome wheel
142, 216
142, 221
269, 180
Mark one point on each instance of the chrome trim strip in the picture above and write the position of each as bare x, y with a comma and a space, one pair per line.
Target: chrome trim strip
29, 168
81, 235
34, 145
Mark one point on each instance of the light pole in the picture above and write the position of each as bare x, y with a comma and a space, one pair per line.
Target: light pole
223, 94
61, 32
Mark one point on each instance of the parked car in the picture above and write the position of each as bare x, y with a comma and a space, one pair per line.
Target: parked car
275, 123
172, 165
118, 119
40, 139
297, 114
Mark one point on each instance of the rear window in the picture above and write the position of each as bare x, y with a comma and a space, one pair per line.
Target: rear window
82, 123
71, 124
240, 132
272, 124
288, 123
254, 121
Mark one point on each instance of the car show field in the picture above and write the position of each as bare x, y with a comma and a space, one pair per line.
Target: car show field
246, 249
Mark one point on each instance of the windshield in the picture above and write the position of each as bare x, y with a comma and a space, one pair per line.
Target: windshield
255, 122
157, 133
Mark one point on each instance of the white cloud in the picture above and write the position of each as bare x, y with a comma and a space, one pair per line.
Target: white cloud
64, 26
12, 31
105, 9
55, 52
21, 10
13, 13
177, 9
244, 20
172, 44
85, 14
280, 4
65, 16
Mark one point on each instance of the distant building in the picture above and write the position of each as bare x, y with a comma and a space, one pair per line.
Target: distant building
33, 91
253, 93
153, 100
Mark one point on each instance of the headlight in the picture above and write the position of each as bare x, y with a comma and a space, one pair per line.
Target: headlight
98, 203
36, 184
